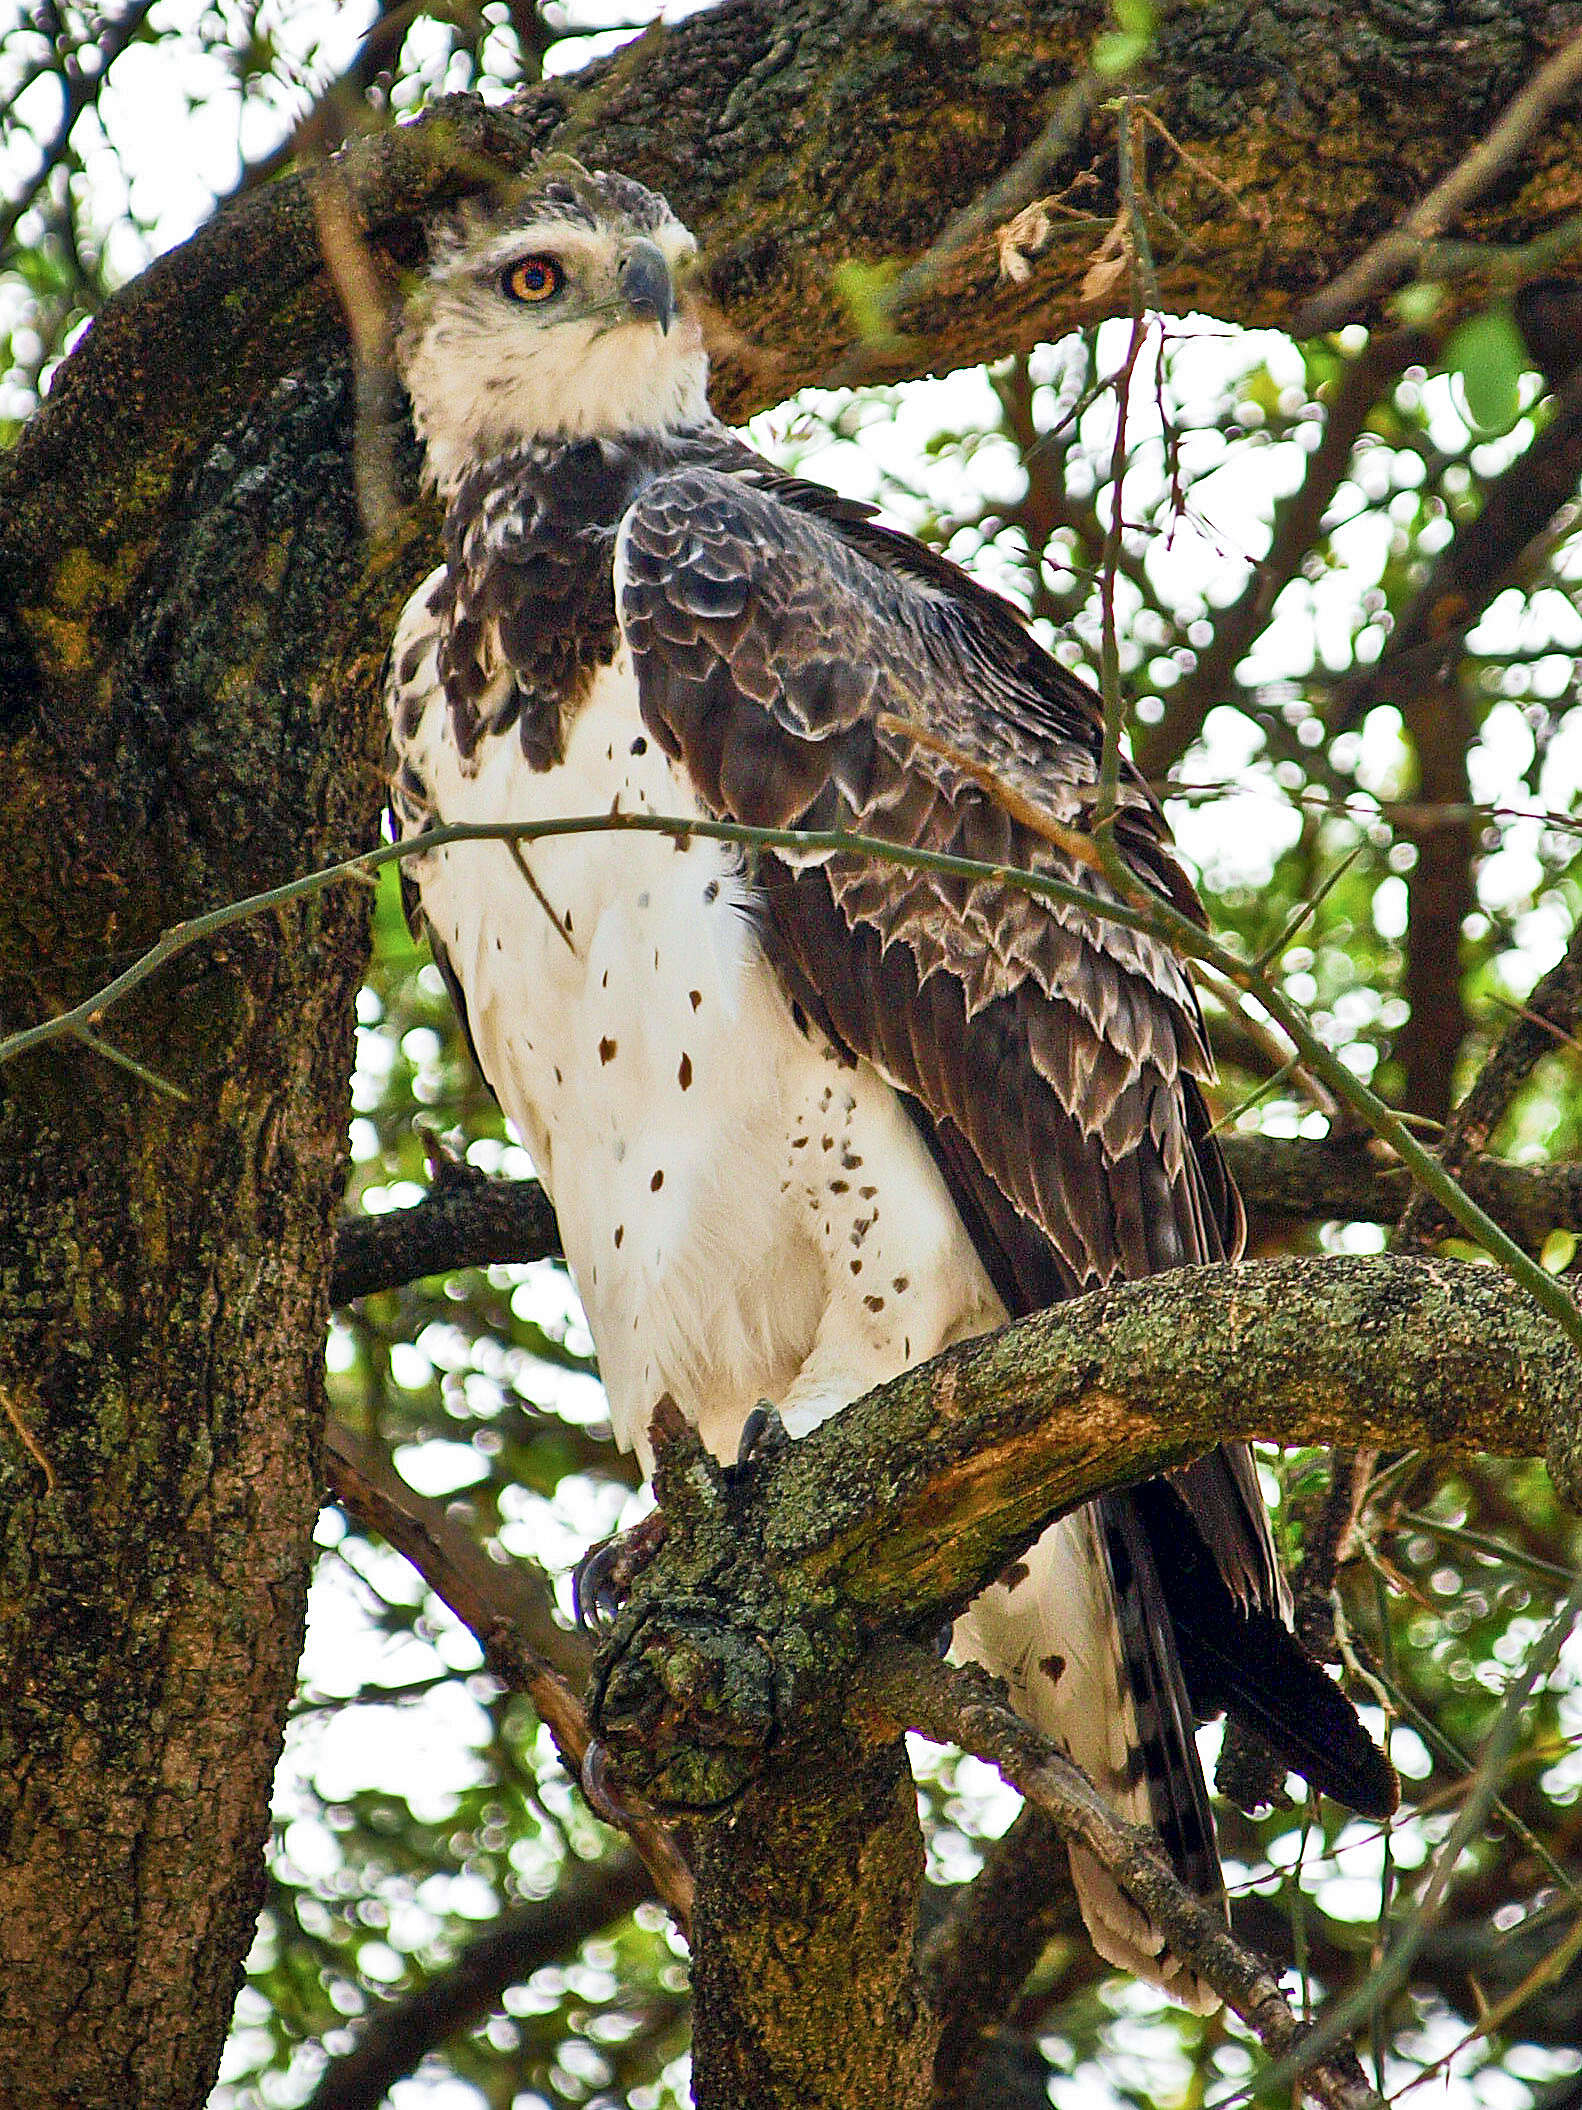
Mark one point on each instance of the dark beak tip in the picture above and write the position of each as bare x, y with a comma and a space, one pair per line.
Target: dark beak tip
647, 286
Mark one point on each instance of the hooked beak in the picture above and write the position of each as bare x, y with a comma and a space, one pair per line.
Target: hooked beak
646, 285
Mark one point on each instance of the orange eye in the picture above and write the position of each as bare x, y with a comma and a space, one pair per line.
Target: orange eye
532, 279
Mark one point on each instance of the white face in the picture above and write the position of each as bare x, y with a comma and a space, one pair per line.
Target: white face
548, 329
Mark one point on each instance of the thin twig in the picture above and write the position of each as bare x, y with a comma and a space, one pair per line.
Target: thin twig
1386, 1977
1554, 1005
1395, 253
1139, 907
182, 936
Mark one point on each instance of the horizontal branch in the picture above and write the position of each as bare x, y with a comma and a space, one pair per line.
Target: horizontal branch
470, 1219
910, 1501
467, 1219
1345, 1180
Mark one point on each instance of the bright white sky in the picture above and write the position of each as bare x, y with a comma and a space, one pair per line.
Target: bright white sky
176, 131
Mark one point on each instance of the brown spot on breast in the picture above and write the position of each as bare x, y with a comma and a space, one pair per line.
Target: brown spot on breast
837, 1186
694, 997
1053, 1668
874, 1303
606, 1050
684, 1073
901, 1284
620, 1233
867, 1193
656, 1183
1013, 1576
856, 1267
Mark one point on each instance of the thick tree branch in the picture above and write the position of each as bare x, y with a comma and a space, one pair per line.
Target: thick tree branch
466, 1219
191, 627
1388, 260
917, 1495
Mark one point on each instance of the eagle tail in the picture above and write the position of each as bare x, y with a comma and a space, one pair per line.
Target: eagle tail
1078, 1631
1243, 1660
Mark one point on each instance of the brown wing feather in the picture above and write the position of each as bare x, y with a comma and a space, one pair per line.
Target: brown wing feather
809, 668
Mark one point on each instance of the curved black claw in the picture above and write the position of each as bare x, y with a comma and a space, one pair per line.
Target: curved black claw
595, 1597
601, 1579
601, 1797
763, 1436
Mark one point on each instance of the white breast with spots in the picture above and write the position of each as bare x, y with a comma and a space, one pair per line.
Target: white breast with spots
746, 1216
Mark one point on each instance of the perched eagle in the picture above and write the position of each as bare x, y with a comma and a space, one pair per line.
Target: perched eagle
808, 1119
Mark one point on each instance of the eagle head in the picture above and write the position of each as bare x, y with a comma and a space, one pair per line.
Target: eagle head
559, 311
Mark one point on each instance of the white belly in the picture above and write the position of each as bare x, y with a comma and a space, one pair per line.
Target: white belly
746, 1217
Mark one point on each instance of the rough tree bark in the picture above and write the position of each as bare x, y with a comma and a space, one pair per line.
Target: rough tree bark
190, 628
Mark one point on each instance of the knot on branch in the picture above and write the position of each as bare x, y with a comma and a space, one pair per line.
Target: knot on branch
712, 1653
688, 1706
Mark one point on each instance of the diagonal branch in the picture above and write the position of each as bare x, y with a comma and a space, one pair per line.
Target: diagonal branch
1545, 1024
1390, 259
588, 1897
963, 1707
510, 1620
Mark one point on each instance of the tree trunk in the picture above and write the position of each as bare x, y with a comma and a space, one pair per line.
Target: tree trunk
190, 630
164, 1283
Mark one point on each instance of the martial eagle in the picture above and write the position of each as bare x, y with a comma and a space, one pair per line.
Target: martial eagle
808, 1119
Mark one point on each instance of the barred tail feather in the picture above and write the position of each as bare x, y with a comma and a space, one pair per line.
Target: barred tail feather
1055, 1628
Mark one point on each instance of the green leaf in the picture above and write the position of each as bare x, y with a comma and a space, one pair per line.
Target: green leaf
1488, 353
862, 289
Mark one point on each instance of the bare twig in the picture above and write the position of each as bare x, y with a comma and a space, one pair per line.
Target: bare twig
1555, 1005
366, 301
1389, 1974
1004, 197
1479, 563
962, 1707
1296, 526
1138, 906
1396, 253
80, 90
